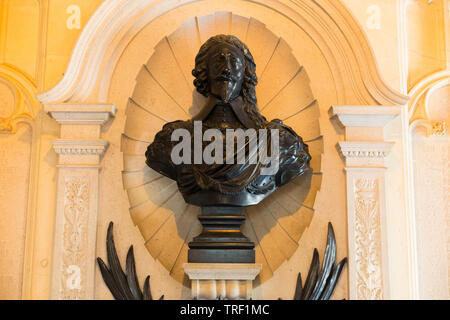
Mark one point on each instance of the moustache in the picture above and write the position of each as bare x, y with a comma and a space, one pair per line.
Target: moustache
225, 78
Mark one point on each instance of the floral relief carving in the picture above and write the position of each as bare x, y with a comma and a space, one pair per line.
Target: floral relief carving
439, 128
73, 264
368, 240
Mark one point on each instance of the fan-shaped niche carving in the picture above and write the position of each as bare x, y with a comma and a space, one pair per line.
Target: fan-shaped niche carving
165, 92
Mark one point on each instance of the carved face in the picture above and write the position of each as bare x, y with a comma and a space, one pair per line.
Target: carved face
226, 69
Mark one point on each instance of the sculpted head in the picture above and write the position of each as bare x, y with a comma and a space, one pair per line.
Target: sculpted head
224, 68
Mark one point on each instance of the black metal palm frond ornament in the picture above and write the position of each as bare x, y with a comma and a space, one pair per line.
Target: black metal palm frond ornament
123, 285
320, 284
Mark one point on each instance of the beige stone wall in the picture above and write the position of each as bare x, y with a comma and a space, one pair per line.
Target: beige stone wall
15, 157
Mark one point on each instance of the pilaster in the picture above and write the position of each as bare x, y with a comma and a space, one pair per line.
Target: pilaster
80, 150
364, 151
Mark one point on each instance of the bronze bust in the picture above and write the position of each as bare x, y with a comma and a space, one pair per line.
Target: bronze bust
225, 74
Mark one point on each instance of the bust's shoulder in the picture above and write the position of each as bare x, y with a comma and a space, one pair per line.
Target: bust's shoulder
169, 127
278, 124
177, 124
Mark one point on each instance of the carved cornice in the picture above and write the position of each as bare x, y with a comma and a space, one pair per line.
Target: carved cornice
79, 147
365, 116
350, 149
91, 114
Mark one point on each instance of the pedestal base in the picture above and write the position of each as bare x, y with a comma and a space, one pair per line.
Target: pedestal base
221, 240
230, 281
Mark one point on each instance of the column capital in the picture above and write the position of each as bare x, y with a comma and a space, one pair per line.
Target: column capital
364, 144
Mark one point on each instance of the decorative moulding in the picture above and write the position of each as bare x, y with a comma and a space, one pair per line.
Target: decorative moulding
365, 116
365, 149
79, 147
91, 114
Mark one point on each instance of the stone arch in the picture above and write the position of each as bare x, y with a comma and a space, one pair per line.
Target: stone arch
330, 24
25, 105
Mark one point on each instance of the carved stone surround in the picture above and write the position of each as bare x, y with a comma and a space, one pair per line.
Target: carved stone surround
365, 172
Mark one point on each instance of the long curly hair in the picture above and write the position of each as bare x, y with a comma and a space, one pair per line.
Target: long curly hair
248, 94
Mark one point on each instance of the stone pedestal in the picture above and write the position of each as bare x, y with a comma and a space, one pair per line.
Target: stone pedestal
80, 150
364, 151
231, 281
